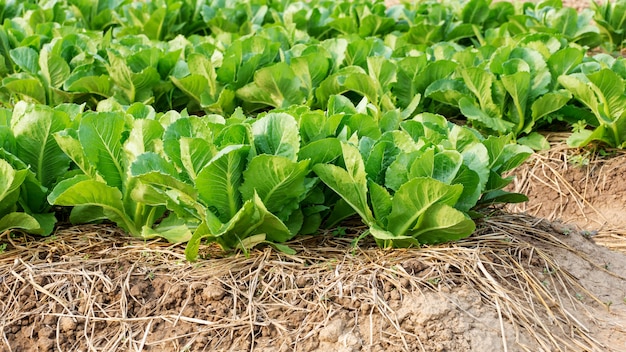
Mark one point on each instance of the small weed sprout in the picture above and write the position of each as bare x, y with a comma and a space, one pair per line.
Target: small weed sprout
588, 234
579, 160
340, 232
434, 281
580, 296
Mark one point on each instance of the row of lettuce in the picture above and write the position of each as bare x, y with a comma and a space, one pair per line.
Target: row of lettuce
504, 69
251, 122
242, 181
427, 21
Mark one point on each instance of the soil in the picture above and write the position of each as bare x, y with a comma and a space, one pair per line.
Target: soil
518, 284
577, 187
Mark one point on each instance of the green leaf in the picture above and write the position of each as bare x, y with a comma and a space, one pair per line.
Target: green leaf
243, 58
34, 127
274, 229
379, 158
472, 188
172, 228
70, 144
381, 201
349, 183
479, 82
121, 74
46, 223
100, 136
219, 181
413, 199
447, 91
610, 92
323, 151
11, 180
21, 221
581, 91
311, 70
375, 26
83, 214
276, 86
584, 137
240, 133
446, 165
503, 155
549, 103
30, 87
195, 154
387, 239
422, 166
475, 12
442, 223
481, 118
278, 181
535, 141
399, 170
500, 196
191, 127
351, 78
152, 162
54, 68
565, 60
26, 59
251, 219
201, 65
99, 85
82, 191
144, 137
193, 86
277, 134
154, 27
518, 87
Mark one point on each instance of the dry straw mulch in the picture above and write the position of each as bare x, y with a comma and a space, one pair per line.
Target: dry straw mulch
91, 288
583, 187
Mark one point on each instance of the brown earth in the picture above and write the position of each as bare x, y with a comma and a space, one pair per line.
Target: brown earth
577, 187
518, 284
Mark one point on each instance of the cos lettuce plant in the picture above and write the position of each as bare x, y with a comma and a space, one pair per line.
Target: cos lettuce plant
243, 183
510, 92
11, 181
552, 17
112, 149
414, 186
602, 92
36, 161
610, 17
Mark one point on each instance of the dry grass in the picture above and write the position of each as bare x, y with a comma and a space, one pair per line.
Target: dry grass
501, 261
549, 169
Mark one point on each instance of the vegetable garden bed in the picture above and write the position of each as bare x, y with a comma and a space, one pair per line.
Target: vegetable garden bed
258, 152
